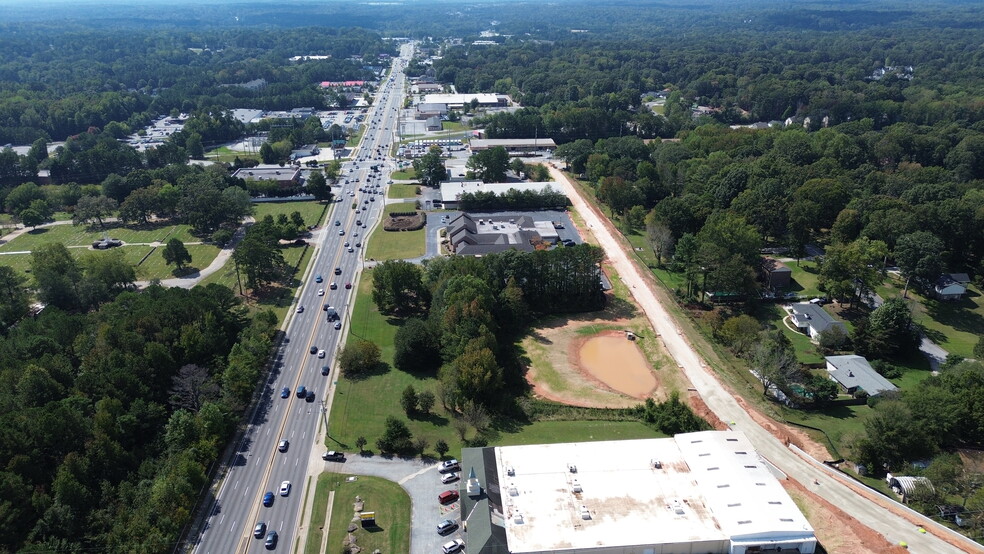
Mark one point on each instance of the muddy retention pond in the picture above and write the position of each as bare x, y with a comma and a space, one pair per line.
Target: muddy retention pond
618, 363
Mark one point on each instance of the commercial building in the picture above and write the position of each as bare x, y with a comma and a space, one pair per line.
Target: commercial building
284, 176
705, 492
515, 146
458, 101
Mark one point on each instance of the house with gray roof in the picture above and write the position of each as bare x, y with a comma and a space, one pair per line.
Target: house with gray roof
853, 372
948, 288
812, 319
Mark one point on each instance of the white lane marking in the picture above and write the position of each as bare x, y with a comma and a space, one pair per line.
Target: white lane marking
232, 528
237, 485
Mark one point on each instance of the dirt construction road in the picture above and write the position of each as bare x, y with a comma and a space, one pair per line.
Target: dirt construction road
832, 487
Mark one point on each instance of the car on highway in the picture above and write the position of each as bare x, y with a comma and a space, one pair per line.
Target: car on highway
449, 478
446, 527
321, 353
453, 546
348, 285
350, 249
285, 392
309, 396
338, 325
300, 309
338, 223
325, 370
285, 488
271, 540
284, 445
321, 292
300, 391
338, 271
333, 456
333, 285
268, 499
358, 245
449, 466
346, 244
313, 349
318, 279
259, 530
341, 232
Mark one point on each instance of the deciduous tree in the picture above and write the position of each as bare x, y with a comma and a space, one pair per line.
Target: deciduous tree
176, 253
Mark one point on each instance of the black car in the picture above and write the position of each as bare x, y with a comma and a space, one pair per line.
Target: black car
285, 392
314, 350
271, 540
325, 370
301, 391
338, 271
310, 396
259, 530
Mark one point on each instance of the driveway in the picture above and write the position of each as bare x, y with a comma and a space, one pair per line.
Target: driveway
422, 482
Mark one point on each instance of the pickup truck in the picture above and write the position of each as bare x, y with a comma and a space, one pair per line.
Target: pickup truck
333, 456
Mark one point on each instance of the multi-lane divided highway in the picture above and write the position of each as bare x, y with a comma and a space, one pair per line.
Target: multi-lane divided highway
259, 465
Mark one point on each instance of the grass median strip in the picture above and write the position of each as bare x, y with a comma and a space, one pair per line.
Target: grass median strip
387, 499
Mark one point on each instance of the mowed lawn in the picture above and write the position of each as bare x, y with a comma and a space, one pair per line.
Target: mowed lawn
396, 245
312, 211
408, 173
154, 266
84, 235
402, 191
387, 499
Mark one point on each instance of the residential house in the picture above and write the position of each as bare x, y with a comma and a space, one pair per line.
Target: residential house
812, 319
854, 373
775, 274
947, 288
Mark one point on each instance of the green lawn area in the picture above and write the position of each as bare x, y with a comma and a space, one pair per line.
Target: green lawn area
402, 191
771, 314
408, 173
806, 279
544, 432
154, 266
840, 422
452, 126
83, 235
354, 139
396, 245
401, 207
387, 499
312, 211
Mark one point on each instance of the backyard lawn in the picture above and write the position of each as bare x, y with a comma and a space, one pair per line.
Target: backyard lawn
387, 499
806, 279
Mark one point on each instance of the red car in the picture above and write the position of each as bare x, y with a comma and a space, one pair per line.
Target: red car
447, 497
348, 285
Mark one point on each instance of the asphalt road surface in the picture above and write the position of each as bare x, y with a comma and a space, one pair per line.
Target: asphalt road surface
257, 466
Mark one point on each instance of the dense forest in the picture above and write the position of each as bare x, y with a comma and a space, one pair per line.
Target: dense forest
54, 84
112, 417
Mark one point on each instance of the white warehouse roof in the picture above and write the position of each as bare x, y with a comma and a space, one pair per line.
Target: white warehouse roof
451, 190
696, 492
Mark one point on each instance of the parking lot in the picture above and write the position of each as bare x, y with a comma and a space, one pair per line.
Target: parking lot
422, 481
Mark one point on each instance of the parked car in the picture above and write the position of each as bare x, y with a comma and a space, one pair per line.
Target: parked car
447, 497
449, 465
449, 478
333, 456
453, 546
446, 527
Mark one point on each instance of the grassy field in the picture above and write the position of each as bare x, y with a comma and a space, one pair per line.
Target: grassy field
452, 126
806, 278
225, 155
354, 139
154, 266
84, 235
312, 211
402, 191
392, 245
408, 173
387, 499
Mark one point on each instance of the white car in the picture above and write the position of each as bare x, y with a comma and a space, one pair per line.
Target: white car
449, 466
285, 488
321, 292
449, 477
453, 546
321, 353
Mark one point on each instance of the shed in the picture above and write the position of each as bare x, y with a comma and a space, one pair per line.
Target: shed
775, 274
906, 485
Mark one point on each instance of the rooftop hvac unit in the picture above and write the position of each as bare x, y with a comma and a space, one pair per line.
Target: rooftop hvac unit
657, 464
576, 486
585, 514
510, 471
518, 518
513, 491
572, 468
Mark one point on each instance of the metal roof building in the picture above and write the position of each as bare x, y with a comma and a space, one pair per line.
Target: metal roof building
514, 145
706, 492
853, 372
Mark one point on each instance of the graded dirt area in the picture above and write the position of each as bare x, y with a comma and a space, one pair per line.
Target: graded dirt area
619, 375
